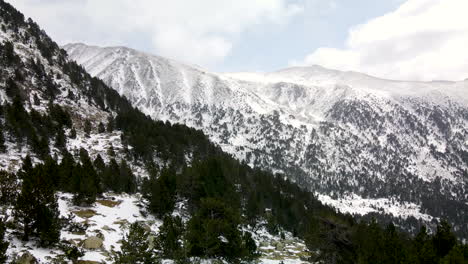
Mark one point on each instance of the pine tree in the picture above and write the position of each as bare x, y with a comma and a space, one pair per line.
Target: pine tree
2, 141
101, 128
65, 171
213, 231
162, 197
3, 244
12, 89
444, 240
111, 172
169, 237
126, 179
424, 248
136, 248
36, 207
85, 180
110, 124
8, 188
60, 140
458, 255
87, 128
73, 133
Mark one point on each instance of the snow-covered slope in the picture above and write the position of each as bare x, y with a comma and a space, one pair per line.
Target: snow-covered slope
342, 134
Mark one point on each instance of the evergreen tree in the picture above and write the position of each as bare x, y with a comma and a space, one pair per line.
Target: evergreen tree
213, 232
85, 180
110, 175
65, 172
169, 237
424, 248
110, 124
126, 179
458, 255
36, 207
136, 248
60, 139
3, 244
444, 240
12, 89
2, 141
8, 188
393, 248
162, 197
87, 128
73, 133
101, 128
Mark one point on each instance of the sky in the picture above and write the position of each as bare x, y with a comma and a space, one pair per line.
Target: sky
395, 39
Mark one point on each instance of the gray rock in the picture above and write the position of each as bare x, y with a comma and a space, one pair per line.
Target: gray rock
26, 258
92, 242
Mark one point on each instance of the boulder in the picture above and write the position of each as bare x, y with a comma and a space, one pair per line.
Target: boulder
92, 242
279, 246
26, 258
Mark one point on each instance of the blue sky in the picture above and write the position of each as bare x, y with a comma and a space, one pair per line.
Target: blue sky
395, 39
323, 25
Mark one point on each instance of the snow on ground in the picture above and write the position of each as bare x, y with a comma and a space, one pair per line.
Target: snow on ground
110, 217
355, 204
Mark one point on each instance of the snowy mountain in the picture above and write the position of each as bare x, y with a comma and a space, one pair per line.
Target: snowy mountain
350, 137
68, 143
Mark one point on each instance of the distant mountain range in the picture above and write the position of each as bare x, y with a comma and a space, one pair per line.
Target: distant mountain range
361, 143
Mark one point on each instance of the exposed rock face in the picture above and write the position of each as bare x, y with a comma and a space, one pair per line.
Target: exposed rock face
27, 258
92, 242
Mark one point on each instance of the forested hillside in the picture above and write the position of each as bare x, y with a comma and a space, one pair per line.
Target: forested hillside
74, 154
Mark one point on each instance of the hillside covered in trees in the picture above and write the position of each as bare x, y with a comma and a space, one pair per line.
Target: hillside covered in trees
66, 134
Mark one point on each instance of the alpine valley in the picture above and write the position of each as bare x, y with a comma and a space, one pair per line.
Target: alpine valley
365, 145
110, 155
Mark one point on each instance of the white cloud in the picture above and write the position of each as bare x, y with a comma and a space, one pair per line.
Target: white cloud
200, 32
421, 40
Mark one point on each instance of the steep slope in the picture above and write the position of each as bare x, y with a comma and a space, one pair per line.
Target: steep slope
78, 164
348, 136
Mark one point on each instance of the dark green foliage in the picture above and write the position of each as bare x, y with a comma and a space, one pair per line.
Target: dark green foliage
8, 188
36, 208
12, 89
135, 247
110, 125
3, 244
60, 140
162, 193
65, 173
101, 128
117, 178
369, 243
110, 175
126, 181
458, 255
87, 128
60, 116
213, 232
36, 128
85, 181
444, 240
73, 133
170, 236
2, 141
71, 252
218, 188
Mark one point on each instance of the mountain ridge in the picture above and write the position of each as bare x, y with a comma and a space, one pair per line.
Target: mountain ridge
338, 133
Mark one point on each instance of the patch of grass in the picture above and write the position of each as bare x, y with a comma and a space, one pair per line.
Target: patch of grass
109, 203
86, 213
